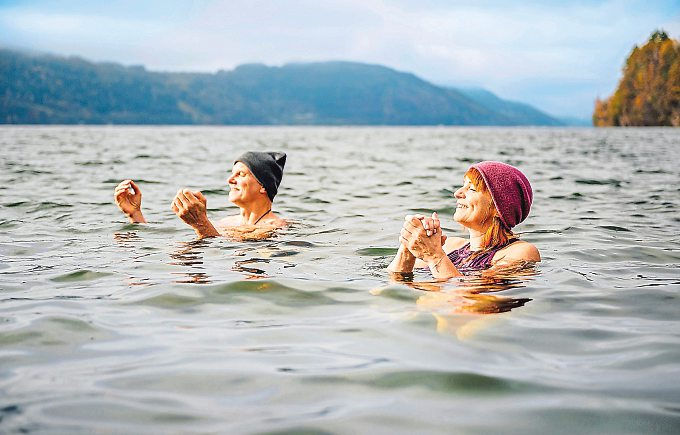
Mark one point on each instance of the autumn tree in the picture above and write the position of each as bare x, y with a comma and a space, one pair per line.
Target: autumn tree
649, 92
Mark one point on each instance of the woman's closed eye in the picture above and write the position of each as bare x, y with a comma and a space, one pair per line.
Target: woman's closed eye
469, 186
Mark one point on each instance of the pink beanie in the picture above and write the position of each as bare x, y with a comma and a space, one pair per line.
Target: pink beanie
510, 191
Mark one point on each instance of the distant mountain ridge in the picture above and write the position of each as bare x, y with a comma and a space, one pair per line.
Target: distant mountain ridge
47, 89
516, 111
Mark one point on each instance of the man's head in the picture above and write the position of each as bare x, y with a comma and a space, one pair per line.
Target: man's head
265, 167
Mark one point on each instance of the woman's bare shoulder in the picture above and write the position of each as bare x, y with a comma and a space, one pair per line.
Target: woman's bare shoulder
518, 251
453, 243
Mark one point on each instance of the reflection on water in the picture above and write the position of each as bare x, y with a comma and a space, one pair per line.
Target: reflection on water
190, 255
126, 239
475, 303
251, 272
453, 301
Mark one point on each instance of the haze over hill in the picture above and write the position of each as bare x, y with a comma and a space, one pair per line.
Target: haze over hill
56, 90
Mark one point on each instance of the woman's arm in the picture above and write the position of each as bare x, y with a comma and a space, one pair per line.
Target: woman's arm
441, 266
403, 262
427, 247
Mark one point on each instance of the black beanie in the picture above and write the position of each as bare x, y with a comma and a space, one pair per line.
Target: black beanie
267, 167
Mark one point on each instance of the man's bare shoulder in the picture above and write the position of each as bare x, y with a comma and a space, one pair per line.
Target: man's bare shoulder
275, 222
229, 222
232, 227
235, 221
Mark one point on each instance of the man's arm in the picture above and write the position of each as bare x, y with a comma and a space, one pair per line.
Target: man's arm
191, 207
128, 197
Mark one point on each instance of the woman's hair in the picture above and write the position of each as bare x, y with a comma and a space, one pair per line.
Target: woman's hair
497, 234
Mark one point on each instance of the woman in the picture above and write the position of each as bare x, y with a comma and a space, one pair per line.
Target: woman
494, 198
254, 181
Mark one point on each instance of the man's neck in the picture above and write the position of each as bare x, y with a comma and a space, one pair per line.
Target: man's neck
253, 213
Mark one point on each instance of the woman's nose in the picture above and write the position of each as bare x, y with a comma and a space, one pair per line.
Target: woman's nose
231, 180
458, 193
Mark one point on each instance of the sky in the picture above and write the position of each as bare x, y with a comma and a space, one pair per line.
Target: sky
558, 56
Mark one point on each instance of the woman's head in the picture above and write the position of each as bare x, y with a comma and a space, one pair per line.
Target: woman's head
494, 198
510, 191
474, 205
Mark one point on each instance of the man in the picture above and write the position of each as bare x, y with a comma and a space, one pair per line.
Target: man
254, 182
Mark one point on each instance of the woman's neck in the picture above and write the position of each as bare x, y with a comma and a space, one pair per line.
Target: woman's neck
475, 239
254, 214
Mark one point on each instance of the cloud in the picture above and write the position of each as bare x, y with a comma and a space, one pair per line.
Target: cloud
504, 46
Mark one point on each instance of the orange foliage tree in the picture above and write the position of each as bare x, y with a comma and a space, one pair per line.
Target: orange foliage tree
649, 92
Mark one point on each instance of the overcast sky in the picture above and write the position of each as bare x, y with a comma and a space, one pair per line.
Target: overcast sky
556, 55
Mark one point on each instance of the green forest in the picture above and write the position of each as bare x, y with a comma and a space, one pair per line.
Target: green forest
46, 89
649, 92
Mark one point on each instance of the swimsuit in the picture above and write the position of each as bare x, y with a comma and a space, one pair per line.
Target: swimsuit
459, 258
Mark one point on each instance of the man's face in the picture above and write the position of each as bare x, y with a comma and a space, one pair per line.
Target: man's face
244, 187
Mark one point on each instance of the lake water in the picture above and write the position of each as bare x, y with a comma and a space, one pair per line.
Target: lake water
109, 327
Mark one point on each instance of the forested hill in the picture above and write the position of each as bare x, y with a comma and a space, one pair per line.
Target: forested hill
649, 92
56, 90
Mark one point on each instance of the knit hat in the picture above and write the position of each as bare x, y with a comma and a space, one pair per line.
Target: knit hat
510, 191
267, 167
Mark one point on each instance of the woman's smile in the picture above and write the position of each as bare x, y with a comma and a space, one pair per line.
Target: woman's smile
472, 206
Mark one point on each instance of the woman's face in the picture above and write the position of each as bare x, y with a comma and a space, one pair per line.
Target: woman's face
243, 186
474, 209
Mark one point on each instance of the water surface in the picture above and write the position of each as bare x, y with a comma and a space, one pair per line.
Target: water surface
112, 327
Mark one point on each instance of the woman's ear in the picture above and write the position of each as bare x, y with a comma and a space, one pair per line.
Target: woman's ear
263, 190
494, 211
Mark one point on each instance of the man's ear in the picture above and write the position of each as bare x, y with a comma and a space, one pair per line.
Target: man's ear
263, 190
